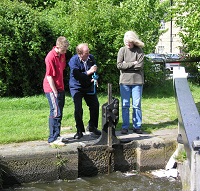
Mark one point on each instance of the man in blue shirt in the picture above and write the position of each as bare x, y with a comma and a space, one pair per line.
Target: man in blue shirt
82, 68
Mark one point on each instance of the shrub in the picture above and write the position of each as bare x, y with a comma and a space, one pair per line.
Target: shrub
154, 73
25, 39
28, 32
102, 25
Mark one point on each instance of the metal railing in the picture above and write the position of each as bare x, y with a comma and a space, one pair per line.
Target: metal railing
189, 125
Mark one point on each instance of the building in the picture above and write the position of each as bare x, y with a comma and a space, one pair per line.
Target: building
169, 42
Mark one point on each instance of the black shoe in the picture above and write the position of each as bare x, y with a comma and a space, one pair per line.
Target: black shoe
94, 130
78, 135
138, 131
124, 131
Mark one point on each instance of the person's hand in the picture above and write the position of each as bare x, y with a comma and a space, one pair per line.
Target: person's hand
92, 70
97, 84
55, 94
92, 80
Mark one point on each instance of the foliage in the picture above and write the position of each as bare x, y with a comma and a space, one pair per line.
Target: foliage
102, 24
29, 28
24, 39
192, 70
40, 4
187, 14
154, 73
182, 156
2, 88
61, 161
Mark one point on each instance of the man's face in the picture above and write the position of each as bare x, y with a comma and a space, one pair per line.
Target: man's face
85, 53
62, 50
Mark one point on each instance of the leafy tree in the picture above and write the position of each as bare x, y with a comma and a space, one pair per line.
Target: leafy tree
187, 14
28, 30
24, 40
102, 24
39, 4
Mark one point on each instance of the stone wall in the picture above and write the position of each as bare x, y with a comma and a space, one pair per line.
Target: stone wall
136, 155
32, 162
36, 167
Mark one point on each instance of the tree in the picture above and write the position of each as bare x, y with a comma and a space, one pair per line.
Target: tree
103, 23
24, 39
28, 31
187, 14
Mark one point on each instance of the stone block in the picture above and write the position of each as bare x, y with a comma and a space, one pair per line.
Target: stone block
46, 167
152, 155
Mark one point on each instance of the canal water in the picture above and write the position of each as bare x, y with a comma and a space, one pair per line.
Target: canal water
116, 181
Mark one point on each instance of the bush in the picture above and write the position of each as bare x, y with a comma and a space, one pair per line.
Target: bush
192, 69
27, 33
154, 73
102, 25
25, 38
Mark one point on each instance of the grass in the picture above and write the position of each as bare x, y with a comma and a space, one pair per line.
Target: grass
182, 156
26, 119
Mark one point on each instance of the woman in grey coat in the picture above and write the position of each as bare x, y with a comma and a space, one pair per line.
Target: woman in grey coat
130, 63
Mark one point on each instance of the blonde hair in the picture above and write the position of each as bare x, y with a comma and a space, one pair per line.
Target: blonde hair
131, 36
62, 42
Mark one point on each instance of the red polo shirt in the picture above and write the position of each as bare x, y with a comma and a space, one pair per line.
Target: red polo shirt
55, 66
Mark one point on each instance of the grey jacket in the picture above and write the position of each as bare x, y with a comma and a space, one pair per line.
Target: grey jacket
130, 73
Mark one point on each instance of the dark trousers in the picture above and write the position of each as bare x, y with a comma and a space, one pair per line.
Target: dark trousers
56, 112
93, 105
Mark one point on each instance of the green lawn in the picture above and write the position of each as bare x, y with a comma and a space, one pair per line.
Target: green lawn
26, 119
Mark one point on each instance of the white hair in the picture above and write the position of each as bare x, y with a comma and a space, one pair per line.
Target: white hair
131, 36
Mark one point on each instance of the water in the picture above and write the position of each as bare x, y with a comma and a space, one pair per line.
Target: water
116, 181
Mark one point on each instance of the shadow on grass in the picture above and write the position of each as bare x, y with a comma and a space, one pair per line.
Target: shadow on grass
152, 127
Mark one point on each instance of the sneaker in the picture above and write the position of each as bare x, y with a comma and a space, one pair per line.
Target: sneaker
63, 139
57, 142
124, 131
138, 131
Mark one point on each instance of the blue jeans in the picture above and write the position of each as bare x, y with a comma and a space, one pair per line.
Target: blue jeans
126, 92
56, 112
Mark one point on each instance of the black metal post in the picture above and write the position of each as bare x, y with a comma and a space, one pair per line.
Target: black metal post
110, 122
171, 39
110, 116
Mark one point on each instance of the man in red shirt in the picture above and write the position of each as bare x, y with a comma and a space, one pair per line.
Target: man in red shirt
53, 85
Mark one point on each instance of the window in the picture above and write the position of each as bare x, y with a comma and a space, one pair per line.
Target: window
162, 24
161, 49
